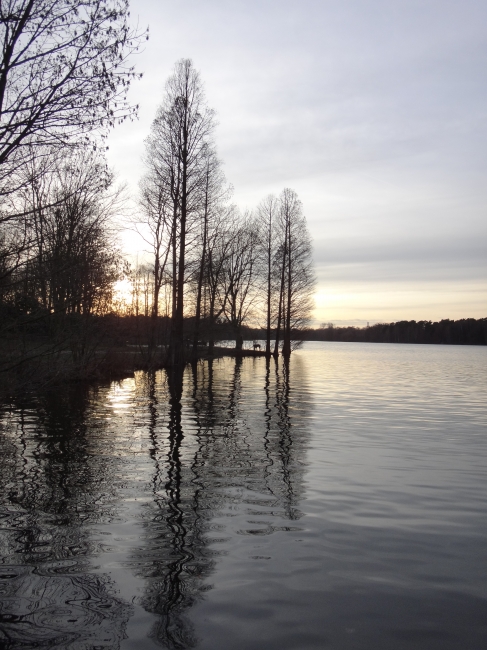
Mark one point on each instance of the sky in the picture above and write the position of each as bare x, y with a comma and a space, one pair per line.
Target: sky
374, 112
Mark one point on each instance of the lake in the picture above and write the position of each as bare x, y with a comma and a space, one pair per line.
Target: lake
336, 503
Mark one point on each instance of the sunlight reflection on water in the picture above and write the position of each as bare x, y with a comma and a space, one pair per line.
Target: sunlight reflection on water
338, 503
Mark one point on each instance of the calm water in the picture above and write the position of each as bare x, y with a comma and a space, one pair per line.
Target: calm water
340, 503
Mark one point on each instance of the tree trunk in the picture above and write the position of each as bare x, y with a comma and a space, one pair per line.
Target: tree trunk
201, 274
269, 271
177, 356
174, 333
281, 297
238, 338
286, 348
154, 313
211, 333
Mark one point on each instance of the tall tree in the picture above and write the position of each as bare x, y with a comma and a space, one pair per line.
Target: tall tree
296, 270
214, 193
267, 213
177, 151
157, 206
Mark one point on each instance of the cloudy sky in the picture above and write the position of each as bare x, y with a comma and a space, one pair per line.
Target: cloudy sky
374, 111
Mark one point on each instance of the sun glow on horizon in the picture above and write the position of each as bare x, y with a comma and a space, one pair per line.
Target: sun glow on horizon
122, 294
391, 302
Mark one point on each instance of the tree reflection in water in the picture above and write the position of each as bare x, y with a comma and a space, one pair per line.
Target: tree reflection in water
189, 465
52, 487
224, 438
171, 589
172, 558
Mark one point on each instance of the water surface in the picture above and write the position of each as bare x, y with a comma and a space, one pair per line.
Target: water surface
338, 503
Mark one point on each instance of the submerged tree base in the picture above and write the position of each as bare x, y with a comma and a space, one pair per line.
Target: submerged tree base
24, 373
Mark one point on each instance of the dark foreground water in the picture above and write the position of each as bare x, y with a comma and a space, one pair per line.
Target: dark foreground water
340, 503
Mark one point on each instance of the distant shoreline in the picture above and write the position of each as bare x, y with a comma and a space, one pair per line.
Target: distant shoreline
466, 331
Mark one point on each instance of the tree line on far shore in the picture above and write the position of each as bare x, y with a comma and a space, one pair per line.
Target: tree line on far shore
465, 331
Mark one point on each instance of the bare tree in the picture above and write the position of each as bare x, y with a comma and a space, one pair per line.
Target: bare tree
141, 277
267, 214
294, 265
219, 249
177, 155
64, 76
240, 275
68, 270
214, 193
72, 262
280, 274
157, 206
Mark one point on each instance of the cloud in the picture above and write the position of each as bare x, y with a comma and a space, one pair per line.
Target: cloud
373, 111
